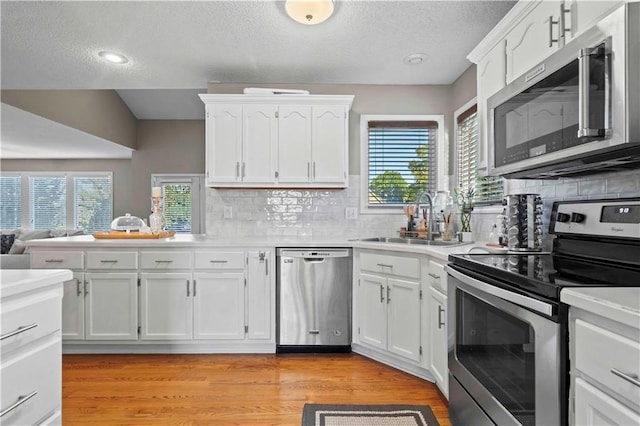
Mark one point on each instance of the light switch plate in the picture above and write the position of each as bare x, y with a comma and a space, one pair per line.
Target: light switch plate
228, 212
351, 213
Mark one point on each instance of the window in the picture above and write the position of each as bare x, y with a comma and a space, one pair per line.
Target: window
488, 189
182, 198
57, 201
401, 157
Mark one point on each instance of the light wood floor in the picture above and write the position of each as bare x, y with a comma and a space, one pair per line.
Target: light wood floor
229, 389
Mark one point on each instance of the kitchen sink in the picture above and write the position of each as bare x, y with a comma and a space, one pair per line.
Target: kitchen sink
420, 241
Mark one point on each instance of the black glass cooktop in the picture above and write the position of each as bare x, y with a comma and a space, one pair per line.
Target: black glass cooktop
546, 274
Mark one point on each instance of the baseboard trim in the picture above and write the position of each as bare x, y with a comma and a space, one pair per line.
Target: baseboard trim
168, 348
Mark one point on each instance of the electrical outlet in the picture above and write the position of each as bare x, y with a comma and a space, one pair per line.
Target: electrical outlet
228, 212
351, 213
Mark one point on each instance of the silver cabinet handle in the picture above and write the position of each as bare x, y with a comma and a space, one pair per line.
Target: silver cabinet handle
53, 261
237, 169
21, 400
308, 170
563, 21
440, 312
164, 261
108, 261
242, 175
631, 378
18, 330
187, 288
217, 261
78, 289
86, 287
381, 293
388, 294
551, 24
194, 288
314, 169
434, 276
383, 265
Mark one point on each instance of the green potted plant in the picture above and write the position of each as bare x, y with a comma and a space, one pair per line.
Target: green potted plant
465, 204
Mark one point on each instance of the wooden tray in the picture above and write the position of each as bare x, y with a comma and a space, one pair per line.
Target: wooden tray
121, 235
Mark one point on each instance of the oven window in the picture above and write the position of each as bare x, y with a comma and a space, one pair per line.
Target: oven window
498, 349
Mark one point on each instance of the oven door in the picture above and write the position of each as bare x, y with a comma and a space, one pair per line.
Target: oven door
505, 356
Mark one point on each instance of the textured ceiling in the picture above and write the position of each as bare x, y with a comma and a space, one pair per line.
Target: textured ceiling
176, 47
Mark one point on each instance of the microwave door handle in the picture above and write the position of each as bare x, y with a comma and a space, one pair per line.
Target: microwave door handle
584, 78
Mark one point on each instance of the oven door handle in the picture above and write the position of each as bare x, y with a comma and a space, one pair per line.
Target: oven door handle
527, 302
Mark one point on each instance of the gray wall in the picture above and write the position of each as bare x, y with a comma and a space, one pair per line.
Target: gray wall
98, 112
464, 88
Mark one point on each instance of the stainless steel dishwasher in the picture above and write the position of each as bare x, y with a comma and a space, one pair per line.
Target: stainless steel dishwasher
314, 300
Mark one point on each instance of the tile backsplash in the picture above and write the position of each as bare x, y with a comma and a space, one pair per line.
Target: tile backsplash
603, 185
301, 213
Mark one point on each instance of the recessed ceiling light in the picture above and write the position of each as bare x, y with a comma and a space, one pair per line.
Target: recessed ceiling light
113, 57
414, 58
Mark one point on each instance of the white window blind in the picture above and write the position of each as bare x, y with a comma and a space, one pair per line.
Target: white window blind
47, 202
177, 206
488, 190
93, 203
10, 202
402, 160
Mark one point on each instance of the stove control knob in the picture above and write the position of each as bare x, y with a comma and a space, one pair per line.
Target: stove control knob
577, 217
562, 217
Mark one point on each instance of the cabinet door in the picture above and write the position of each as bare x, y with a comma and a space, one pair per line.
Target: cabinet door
530, 42
73, 308
111, 306
259, 137
294, 144
403, 301
491, 78
218, 305
594, 407
260, 295
582, 15
372, 306
438, 340
166, 308
223, 143
329, 145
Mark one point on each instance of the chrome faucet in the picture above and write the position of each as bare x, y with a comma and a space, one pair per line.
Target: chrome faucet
416, 213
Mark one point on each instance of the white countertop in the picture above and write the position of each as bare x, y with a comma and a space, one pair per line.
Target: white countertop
620, 304
202, 240
15, 281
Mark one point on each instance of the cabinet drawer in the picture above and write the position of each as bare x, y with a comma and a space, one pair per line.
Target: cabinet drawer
219, 260
36, 373
437, 276
621, 355
112, 260
57, 260
163, 260
388, 264
32, 319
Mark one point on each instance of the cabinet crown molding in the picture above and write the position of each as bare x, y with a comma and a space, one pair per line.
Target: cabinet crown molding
278, 99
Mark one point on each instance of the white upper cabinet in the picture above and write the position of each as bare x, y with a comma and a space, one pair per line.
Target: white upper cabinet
583, 15
277, 140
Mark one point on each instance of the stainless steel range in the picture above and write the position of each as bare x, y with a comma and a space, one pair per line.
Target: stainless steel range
508, 349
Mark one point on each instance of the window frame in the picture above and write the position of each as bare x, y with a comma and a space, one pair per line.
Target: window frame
441, 152
25, 218
485, 206
198, 195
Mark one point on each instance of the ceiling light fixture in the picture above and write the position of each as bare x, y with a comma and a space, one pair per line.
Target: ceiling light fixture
113, 57
414, 59
309, 12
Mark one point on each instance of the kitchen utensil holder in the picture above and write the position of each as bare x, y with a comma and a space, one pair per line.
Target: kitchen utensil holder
522, 222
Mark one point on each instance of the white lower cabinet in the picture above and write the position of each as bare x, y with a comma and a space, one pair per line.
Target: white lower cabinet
218, 305
166, 308
390, 315
594, 407
111, 306
73, 308
438, 339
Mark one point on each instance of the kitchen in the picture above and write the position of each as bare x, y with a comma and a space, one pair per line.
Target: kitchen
235, 213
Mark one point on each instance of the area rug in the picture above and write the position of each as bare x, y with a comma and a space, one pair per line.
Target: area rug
367, 415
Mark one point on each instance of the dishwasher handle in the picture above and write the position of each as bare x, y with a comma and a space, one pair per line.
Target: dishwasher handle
314, 253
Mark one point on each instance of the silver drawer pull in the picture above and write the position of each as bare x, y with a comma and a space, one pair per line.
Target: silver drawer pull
217, 261
108, 261
314, 331
19, 330
54, 261
21, 400
440, 312
164, 261
631, 378
384, 265
437, 277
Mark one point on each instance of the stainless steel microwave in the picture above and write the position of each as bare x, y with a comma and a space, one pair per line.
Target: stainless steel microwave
578, 112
